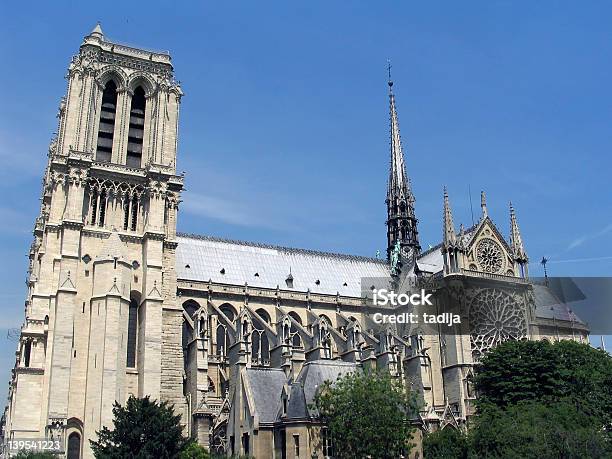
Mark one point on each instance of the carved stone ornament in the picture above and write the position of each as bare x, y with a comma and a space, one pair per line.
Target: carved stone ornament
490, 256
495, 316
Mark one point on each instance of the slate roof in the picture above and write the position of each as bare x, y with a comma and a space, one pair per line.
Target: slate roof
225, 261
549, 306
202, 258
314, 373
297, 407
266, 385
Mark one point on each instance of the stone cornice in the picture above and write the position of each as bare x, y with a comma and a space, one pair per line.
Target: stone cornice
72, 224
30, 370
155, 235
170, 244
283, 296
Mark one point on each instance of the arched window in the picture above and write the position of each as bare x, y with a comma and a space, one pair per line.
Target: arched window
106, 129
295, 316
260, 348
130, 211
229, 311
255, 346
326, 319
222, 343
98, 198
132, 334
74, 446
264, 315
265, 349
296, 341
136, 131
190, 307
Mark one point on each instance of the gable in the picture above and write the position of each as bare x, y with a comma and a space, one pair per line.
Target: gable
487, 251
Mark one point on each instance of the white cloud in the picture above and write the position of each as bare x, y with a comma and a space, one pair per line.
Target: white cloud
588, 237
247, 214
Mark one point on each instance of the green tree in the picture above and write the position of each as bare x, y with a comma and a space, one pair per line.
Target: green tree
368, 415
518, 371
142, 429
539, 430
448, 443
194, 451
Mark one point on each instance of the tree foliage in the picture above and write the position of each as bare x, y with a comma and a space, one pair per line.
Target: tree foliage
143, 428
448, 443
368, 415
536, 400
540, 430
518, 371
194, 451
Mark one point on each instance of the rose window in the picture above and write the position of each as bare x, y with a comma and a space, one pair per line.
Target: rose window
495, 316
490, 256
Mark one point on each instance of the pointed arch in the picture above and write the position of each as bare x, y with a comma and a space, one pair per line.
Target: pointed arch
143, 80
74, 446
222, 340
138, 106
229, 311
295, 316
106, 125
191, 307
114, 73
261, 312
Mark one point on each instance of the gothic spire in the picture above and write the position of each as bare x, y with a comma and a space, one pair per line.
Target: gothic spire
515, 238
398, 180
450, 238
401, 220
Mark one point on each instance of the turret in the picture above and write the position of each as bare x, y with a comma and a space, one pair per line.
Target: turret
451, 246
518, 249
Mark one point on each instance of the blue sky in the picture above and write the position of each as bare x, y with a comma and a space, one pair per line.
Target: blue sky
284, 123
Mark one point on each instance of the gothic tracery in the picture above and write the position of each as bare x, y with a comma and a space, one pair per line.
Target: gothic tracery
495, 316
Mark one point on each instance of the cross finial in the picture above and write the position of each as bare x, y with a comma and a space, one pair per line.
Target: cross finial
389, 81
543, 263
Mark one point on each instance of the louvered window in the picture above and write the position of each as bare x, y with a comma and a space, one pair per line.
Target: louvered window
106, 130
136, 129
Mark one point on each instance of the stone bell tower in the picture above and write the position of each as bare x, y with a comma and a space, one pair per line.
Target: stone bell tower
101, 303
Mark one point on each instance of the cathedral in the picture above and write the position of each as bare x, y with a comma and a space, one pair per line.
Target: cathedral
238, 336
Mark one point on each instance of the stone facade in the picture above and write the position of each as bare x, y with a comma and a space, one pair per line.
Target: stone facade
103, 250
238, 336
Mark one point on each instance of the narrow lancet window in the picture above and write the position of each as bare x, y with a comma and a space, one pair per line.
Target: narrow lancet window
106, 130
132, 333
136, 132
26, 353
